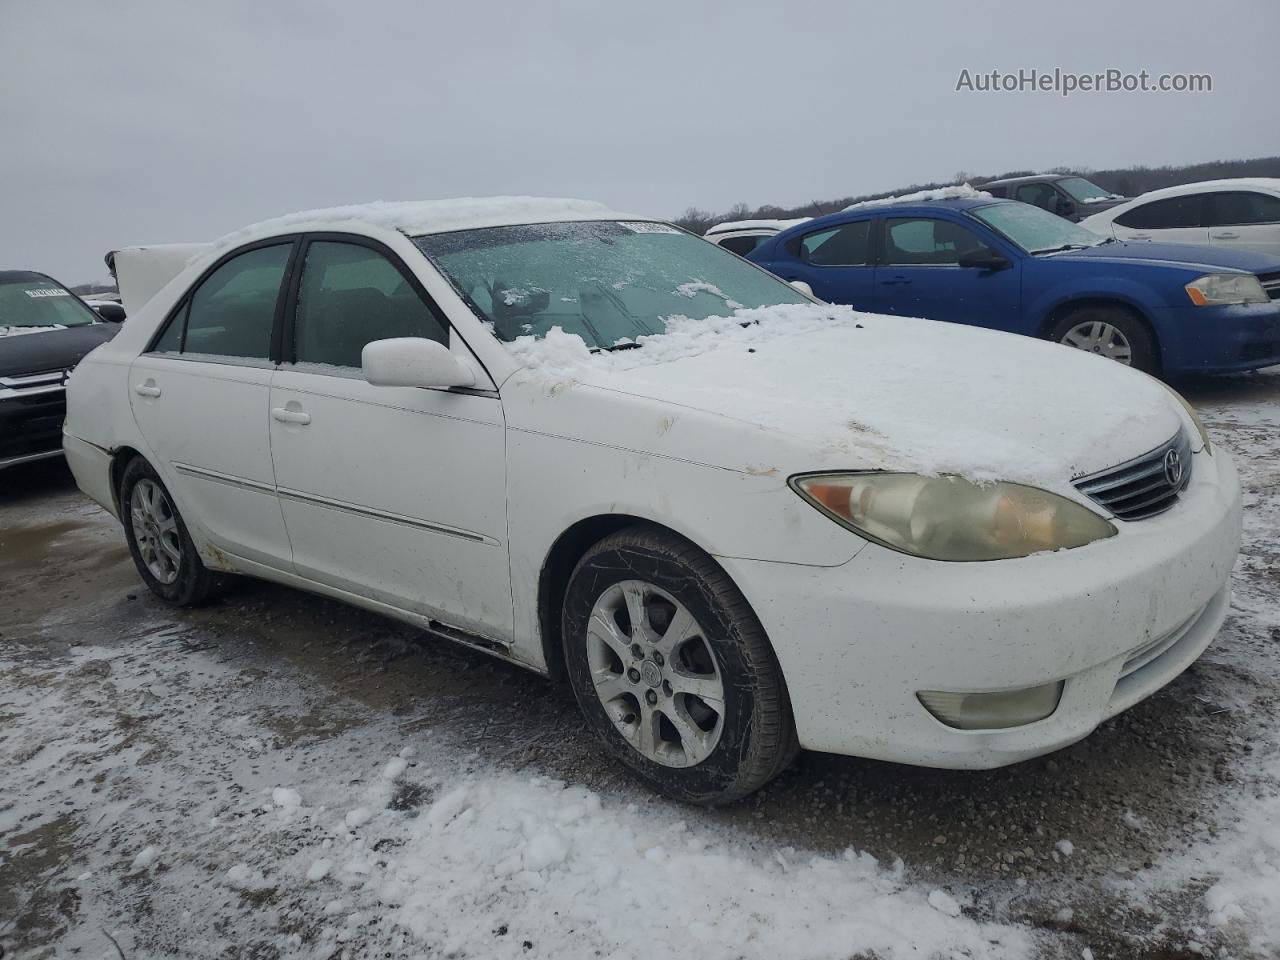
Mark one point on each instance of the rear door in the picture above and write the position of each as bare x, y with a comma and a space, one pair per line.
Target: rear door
200, 397
393, 493
1245, 219
1171, 220
835, 262
919, 275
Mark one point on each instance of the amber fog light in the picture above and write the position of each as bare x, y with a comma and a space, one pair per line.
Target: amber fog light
992, 711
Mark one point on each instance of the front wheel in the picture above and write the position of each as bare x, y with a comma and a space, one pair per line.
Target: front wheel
1110, 332
162, 548
672, 669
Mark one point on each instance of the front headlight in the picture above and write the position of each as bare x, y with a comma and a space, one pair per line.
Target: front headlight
950, 518
1195, 418
1218, 289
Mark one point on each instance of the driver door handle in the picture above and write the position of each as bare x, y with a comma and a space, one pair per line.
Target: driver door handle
148, 389
1225, 236
890, 281
285, 415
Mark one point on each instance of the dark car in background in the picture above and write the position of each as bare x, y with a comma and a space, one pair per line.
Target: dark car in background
44, 331
1068, 196
1167, 309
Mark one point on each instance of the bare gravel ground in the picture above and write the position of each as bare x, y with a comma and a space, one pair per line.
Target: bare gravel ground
126, 726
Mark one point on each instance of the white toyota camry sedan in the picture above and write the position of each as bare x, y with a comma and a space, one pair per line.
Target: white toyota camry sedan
738, 521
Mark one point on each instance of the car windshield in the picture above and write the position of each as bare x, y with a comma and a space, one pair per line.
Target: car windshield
1035, 230
40, 303
607, 281
1083, 190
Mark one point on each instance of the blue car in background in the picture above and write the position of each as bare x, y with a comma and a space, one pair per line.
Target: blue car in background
1168, 309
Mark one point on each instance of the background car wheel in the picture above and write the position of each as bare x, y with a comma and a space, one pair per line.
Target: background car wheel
673, 670
162, 549
1111, 332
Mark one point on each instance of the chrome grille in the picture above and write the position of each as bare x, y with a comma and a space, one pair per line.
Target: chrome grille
1144, 486
1270, 283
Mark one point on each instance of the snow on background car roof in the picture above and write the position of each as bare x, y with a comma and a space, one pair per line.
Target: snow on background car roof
778, 225
438, 216
959, 191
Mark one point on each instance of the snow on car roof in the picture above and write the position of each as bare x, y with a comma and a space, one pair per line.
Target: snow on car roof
778, 225
416, 217
959, 191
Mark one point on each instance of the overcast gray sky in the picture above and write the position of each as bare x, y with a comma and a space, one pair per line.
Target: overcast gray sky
137, 121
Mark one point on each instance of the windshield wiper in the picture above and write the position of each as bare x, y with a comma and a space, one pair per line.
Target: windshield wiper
1065, 246
630, 345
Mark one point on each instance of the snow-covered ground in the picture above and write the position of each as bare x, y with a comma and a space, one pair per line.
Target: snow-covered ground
278, 776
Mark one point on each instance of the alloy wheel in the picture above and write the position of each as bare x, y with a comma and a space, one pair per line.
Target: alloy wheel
1104, 339
655, 674
155, 530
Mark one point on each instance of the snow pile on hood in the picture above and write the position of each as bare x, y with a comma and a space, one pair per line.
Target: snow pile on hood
438, 216
779, 225
959, 191
566, 355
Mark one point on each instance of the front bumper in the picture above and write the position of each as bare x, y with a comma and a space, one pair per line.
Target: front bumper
856, 642
32, 409
1221, 339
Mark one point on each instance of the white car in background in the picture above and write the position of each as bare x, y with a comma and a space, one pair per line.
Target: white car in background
739, 521
743, 236
1242, 213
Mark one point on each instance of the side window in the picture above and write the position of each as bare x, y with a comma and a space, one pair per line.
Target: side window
351, 295
920, 241
1170, 214
232, 311
1038, 195
741, 245
844, 246
1241, 208
996, 191
171, 340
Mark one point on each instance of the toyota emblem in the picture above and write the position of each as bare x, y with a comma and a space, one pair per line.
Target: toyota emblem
1173, 468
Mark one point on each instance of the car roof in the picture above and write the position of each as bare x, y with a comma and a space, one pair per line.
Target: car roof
910, 208
1236, 183
763, 224
24, 276
1030, 178
416, 217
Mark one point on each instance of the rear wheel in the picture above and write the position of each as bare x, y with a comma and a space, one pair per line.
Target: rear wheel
1111, 332
672, 669
162, 549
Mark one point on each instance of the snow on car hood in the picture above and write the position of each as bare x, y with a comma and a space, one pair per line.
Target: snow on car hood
848, 390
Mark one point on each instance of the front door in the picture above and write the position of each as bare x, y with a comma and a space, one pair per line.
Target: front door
1171, 220
393, 493
200, 397
920, 276
1245, 220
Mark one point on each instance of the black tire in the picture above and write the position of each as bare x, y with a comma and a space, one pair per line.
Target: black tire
194, 583
1144, 351
757, 738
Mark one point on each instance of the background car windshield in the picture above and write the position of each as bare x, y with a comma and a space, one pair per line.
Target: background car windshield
41, 303
606, 281
1083, 190
1033, 229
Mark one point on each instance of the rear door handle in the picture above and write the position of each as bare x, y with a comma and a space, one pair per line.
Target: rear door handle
1225, 236
148, 389
1139, 236
892, 281
285, 415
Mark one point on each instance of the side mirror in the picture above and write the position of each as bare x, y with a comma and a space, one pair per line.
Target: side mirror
1066, 208
804, 288
983, 260
413, 362
110, 311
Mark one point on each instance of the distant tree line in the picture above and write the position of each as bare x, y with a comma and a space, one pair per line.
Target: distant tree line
1127, 181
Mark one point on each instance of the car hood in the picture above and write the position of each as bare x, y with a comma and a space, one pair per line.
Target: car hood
862, 392
1187, 255
56, 348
